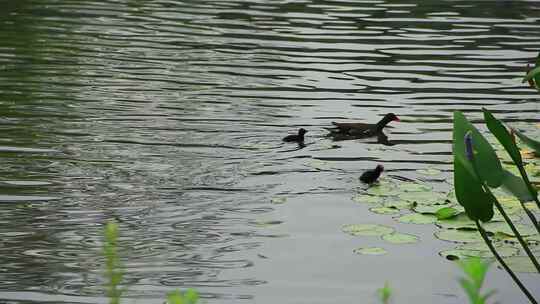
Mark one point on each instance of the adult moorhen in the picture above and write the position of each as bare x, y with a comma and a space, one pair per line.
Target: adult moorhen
359, 130
299, 138
371, 176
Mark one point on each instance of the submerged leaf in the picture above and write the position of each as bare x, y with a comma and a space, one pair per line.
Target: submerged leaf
370, 251
384, 210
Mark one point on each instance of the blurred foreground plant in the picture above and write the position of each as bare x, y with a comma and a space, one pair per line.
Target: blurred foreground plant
115, 274
477, 169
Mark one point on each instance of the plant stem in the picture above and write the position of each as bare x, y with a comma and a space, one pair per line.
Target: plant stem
513, 228
531, 191
503, 263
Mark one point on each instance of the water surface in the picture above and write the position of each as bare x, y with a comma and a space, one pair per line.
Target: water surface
167, 117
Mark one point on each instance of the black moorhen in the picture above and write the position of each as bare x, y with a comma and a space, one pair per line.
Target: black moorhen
363, 129
371, 176
296, 137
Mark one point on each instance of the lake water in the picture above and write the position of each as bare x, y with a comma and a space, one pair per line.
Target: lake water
167, 116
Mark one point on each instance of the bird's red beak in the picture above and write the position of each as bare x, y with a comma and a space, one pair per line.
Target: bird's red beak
396, 119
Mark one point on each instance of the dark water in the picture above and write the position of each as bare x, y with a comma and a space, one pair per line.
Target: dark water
167, 116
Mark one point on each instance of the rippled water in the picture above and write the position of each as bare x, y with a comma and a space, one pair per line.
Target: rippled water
167, 116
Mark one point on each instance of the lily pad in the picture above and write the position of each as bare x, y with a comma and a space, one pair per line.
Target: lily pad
424, 198
401, 205
400, 238
370, 251
417, 218
429, 209
384, 188
384, 210
370, 199
521, 264
502, 227
366, 229
459, 236
461, 221
465, 253
429, 171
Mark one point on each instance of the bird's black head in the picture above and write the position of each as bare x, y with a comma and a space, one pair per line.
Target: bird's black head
302, 131
391, 117
379, 168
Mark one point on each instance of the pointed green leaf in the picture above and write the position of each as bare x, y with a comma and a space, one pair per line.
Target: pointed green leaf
488, 164
470, 193
502, 134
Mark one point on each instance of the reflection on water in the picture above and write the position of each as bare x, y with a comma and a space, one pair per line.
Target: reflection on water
168, 116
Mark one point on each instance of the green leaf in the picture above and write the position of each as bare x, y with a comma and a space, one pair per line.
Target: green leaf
191, 296
531, 74
502, 134
488, 164
175, 297
470, 193
533, 144
446, 212
516, 186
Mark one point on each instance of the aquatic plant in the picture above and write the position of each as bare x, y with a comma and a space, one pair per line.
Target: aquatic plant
385, 293
115, 274
112, 263
533, 75
477, 169
475, 270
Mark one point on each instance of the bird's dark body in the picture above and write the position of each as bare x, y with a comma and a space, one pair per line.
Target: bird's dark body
371, 176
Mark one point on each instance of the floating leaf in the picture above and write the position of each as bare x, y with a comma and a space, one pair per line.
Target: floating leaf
502, 227
383, 188
366, 229
370, 251
417, 218
480, 250
278, 200
460, 221
429, 209
401, 205
425, 198
429, 171
414, 187
446, 212
459, 236
384, 210
400, 238
521, 264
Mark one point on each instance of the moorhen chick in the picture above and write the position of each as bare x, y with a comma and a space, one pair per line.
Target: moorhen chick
359, 129
299, 138
371, 176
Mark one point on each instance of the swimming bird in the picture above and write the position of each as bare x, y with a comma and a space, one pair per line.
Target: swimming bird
359, 130
371, 176
296, 137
